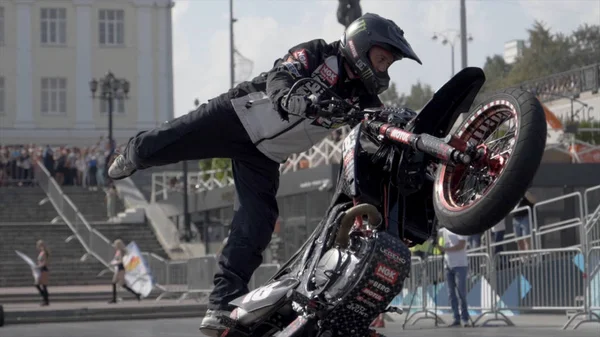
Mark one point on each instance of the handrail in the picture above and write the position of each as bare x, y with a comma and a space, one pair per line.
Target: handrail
569, 82
94, 237
60, 212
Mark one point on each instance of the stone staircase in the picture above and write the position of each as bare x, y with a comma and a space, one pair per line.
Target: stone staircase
21, 204
142, 234
91, 204
65, 265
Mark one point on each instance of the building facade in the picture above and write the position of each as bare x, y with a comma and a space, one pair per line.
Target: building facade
513, 50
51, 49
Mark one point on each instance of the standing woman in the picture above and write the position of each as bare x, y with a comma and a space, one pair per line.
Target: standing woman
42, 265
119, 276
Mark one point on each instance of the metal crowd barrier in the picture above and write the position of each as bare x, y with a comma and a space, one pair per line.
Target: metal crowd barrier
544, 279
510, 283
194, 276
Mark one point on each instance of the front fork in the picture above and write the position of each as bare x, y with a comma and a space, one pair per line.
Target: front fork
450, 149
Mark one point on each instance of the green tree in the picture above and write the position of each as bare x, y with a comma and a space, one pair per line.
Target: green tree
391, 98
205, 165
585, 45
495, 70
419, 95
223, 164
545, 54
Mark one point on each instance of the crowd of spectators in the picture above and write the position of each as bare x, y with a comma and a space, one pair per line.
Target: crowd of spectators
69, 165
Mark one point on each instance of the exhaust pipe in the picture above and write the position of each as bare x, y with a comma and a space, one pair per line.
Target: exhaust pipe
373, 217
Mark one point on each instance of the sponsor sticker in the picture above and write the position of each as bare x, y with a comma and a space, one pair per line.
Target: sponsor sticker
365, 301
352, 48
328, 74
301, 56
392, 256
357, 309
372, 294
361, 65
386, 273
400, 135
379, 286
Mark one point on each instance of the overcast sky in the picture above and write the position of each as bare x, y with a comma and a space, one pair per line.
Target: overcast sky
266, 29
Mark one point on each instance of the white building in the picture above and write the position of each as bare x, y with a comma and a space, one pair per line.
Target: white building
51, 49
513, 50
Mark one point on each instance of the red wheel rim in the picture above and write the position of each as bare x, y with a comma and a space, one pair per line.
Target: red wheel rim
451, 186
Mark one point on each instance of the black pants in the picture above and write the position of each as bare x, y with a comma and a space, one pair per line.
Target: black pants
215, 131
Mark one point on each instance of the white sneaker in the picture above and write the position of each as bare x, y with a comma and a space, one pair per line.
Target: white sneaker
121, 168
211, 326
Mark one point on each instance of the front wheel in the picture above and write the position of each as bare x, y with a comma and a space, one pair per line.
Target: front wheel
509, 130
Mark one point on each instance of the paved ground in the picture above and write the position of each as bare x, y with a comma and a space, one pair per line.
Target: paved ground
96, 305
57, 289
189, 328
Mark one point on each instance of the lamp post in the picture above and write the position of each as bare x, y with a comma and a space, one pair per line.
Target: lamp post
110, 87
232, 20
187, 223
450, 37
463, 33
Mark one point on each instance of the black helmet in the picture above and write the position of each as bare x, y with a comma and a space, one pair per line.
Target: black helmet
373, 30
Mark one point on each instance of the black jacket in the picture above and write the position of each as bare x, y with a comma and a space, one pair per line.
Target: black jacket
278, 138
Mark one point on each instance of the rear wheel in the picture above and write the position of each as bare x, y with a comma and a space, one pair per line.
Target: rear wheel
509, 130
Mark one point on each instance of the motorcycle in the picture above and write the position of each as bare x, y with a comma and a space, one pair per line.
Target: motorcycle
401, 171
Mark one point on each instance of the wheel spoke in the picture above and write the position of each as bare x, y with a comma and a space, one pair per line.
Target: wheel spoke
494, 134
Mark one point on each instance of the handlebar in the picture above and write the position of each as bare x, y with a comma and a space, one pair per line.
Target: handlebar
336, 108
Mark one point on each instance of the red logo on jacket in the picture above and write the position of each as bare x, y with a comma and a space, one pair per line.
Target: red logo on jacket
328, 74
301, 56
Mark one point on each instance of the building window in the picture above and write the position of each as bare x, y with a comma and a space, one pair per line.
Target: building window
111, 27
54, 96
118, 106
1, 26
53, 26
2, 95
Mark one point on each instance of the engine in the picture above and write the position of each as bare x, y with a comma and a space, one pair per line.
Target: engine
363, 283
336, 270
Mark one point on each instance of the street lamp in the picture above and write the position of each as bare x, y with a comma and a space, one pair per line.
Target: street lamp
186, 212
110, 88
450, 37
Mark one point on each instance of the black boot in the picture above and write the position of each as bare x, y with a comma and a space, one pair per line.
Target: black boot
114, 293
46, 295
138, 296
39, 288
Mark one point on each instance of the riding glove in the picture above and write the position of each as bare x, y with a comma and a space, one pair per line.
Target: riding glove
299, 105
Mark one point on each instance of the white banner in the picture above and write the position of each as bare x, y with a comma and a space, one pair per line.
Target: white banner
137, 273
35, 271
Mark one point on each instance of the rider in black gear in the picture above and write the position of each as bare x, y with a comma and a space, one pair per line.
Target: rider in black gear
251, 125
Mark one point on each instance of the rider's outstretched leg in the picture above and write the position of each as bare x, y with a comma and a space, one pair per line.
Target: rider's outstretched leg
213, 130
256, 184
